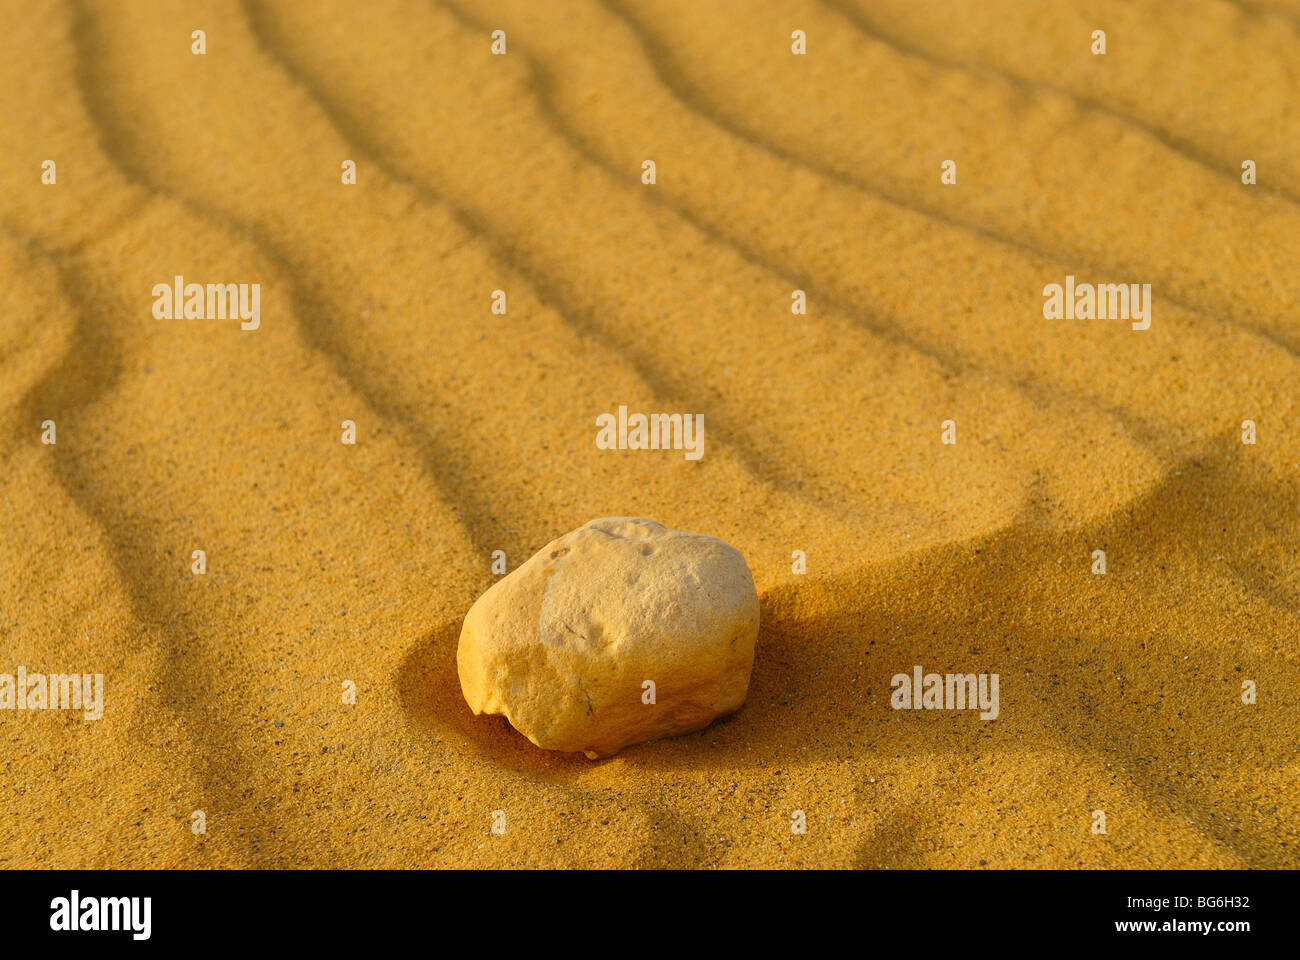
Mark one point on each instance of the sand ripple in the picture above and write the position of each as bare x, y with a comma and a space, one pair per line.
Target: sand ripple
331, 563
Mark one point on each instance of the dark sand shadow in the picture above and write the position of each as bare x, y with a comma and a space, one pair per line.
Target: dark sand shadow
1098, 666
428, 688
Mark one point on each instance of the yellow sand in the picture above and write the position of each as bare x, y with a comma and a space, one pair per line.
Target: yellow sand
331, 563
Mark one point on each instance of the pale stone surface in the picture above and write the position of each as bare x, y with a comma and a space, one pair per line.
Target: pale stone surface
563, 645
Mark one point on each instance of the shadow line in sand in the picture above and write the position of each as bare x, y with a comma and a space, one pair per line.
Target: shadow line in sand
728, 428
664, 60
1132, 688
89, 370
428, 688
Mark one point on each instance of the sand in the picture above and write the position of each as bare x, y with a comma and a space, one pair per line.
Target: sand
331, 564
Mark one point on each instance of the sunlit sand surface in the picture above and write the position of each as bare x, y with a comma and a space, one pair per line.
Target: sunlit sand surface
330, 563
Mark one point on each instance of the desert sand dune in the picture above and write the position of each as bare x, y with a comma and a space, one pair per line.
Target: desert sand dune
331, 564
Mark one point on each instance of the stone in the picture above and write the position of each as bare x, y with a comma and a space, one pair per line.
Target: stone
619, 632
